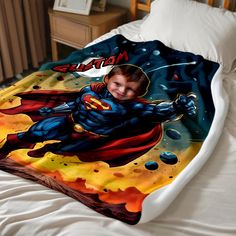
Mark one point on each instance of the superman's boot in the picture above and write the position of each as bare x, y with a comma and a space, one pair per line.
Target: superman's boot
13, 143
39, 152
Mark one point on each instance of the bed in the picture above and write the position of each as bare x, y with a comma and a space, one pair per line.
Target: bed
199, 199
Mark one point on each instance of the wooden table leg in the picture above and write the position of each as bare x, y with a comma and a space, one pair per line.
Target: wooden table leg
54, 50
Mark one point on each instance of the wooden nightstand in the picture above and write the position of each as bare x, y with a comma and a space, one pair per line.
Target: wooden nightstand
77, 30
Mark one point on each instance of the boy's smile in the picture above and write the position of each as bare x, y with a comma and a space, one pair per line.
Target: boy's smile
122, 89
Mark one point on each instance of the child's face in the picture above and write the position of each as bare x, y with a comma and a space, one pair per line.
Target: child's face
122, 89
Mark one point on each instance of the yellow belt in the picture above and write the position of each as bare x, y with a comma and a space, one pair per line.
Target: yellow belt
78, 128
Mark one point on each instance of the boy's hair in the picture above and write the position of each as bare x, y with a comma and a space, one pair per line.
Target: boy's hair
132, 73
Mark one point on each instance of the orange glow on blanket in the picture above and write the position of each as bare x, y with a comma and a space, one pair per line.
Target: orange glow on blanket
131, 196
12, 124
94, 177
79, 184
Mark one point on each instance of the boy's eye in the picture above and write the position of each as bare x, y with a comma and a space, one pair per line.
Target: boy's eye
130, 89
116, 83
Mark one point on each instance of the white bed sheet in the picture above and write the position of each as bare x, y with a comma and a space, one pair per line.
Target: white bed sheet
206, 206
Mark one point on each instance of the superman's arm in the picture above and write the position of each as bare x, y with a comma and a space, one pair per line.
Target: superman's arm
63, 108
66, 107
166, 111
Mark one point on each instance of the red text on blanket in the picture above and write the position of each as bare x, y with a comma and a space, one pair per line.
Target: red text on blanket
94, 63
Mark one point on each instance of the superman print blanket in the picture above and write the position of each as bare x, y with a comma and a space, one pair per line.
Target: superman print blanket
113, 126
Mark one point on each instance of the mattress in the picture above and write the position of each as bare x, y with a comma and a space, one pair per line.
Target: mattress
206, 206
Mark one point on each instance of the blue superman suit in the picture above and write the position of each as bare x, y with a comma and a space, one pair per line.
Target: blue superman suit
93, 125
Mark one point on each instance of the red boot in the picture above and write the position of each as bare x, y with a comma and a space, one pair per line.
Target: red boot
39, 152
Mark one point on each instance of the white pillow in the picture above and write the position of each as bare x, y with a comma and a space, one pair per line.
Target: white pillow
194, 27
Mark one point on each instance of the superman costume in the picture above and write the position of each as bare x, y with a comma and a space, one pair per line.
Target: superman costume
93, 125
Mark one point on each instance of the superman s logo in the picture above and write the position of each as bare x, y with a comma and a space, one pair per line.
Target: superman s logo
92, 103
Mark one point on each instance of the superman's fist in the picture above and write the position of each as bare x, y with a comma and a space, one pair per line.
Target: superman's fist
186, 104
